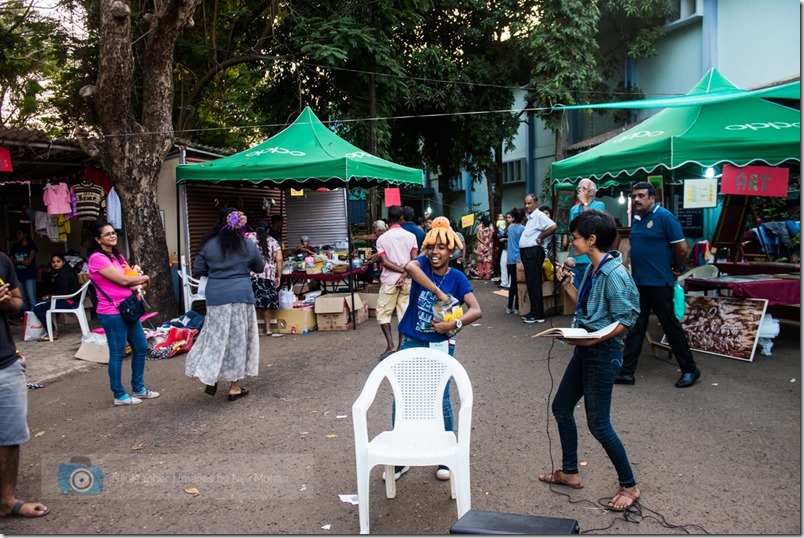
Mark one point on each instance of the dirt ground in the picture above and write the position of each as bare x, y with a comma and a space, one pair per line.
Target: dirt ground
723, 456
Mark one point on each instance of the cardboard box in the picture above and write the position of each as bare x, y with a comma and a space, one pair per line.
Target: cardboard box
294, 320
90, 351
369, 298
548, 300
334, 311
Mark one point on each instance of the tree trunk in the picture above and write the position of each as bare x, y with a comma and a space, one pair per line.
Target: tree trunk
132, 151
372, 200
496, 179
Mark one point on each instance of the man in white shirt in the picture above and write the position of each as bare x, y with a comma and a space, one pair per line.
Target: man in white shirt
537, 228
396, 248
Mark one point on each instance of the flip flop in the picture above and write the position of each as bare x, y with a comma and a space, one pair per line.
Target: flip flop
277, 335
242, 394
211, 389
16, 510
623, 492
386, 354
556, 478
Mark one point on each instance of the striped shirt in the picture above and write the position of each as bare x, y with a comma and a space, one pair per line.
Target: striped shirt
612, 297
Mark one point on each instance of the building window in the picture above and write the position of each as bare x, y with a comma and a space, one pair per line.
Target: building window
514, 171
456, 184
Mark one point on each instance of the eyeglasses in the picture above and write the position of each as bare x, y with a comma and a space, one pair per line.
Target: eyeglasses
574, 238
109, 234
583, 188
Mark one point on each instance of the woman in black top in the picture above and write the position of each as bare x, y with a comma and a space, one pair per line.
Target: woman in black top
64, 282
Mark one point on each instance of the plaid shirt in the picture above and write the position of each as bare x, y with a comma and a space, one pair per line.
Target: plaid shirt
612, 297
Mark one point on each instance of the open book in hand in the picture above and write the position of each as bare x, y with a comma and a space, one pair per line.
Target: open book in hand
576, 333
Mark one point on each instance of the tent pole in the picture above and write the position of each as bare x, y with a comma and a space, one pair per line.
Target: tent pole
349, 259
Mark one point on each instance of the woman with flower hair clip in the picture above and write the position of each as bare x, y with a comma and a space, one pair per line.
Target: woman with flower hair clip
228, 349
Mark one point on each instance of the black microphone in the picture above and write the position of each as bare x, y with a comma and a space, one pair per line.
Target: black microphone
570, 264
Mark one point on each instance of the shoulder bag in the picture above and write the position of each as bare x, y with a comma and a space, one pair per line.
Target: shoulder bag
131, 308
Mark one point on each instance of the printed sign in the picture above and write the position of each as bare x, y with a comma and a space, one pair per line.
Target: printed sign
467, 220
393, 197
294, 192
5, 160
755, 181
700, 193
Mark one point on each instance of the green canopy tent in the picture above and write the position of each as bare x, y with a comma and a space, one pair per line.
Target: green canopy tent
737, 127
306, 154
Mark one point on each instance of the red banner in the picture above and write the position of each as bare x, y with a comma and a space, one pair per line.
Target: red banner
755, 181
393, 197
5, 160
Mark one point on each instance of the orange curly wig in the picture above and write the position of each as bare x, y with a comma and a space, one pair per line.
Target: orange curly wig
441, 230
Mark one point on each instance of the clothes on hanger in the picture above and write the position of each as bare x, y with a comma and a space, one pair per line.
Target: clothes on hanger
57, 198
114, 213
91, 201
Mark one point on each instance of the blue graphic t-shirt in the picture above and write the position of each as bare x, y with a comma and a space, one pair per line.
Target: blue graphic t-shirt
419, 315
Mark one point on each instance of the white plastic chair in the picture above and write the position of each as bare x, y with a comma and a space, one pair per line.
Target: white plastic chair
77, 310
702, 271
418, 377
190, 287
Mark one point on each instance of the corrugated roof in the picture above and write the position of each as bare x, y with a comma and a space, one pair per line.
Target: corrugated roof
34, 155
596, 140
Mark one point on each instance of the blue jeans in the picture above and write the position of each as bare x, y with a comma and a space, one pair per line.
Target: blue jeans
118, 332
407, 343
590, 374
28, 291
41, 308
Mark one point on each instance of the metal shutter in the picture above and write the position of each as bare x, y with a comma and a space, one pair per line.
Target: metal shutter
205, 201
320, 215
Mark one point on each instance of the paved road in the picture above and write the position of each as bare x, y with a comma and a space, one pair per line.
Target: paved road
724, 454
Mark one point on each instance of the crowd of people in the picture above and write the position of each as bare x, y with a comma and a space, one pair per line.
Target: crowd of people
422, 269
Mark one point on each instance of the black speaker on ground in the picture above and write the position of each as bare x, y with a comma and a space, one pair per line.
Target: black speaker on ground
482, 522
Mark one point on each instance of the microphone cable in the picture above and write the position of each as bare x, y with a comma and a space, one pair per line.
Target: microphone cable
637, 512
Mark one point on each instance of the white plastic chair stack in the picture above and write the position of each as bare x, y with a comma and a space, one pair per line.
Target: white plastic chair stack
418, 377
77, 310
190, 287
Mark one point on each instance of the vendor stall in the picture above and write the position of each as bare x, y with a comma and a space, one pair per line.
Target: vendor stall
305, 155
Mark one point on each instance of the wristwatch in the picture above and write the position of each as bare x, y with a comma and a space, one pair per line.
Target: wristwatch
458, 324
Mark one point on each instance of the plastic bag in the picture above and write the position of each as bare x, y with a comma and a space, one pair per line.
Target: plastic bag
286, 298
549, 270
34, 329
679, 306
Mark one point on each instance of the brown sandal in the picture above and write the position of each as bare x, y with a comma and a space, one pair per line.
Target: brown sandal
628, 493
559, 477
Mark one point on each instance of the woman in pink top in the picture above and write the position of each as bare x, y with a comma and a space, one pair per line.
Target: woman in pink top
108, 271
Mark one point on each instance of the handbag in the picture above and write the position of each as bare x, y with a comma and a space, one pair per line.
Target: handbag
131, 308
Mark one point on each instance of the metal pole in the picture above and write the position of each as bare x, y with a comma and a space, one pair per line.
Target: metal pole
349, 259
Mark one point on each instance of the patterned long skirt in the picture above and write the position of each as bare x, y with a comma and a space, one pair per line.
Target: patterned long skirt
228, 347
265, 293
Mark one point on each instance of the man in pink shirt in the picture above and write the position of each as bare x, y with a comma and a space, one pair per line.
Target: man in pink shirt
396, 248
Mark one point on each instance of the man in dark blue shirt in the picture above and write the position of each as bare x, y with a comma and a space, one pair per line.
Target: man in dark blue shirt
409, 224
658, 249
